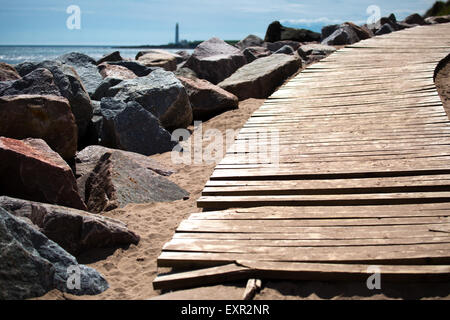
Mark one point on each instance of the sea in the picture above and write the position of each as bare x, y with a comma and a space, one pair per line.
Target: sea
18, 54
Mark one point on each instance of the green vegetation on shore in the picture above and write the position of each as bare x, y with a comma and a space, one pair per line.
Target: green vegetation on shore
440, 8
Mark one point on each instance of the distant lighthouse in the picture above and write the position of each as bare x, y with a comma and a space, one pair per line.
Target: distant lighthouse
177, 34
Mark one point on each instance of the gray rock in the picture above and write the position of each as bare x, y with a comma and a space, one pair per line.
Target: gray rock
138, 68
31, 264
250, 41
276, 32
74, 230
86, 68
385, 29
315, 49
261, 77
329, 30
104, 86
436, 20
275, 46
128, 126
285, 50
342, 36
40, 81
215, 60
253, 53
185, 72
117, 181
160, 93
70, 87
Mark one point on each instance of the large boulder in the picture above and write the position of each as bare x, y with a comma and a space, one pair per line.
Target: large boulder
160, 93
117, 181
70, 87
342, 36
115, 71
31, 264
285, 50
261, 77
45, 117
74, 230
138, 68
275, 46
215, 60
415, 18
8, 72
361, 32
436, 20
385, 29
249, 41
276, 32
208, 99
185, 72
158, 58
110, 57
253, 53
328, 30
128, 126
40, 81
31, 170
86, 68
315, 49
104, 86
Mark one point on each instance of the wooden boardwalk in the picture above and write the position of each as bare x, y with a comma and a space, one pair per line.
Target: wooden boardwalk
363, 176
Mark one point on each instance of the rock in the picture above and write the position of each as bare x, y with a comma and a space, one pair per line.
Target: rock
31, 264
208, 99
435, 20
74, 230
285, 50
70, 87
115, 71
111, 57
128, 126
31, 170
361, 32
253, 53
8, 72
385, 29
45, 117
260, 78
342, 36
158, 58
184, 55
86, 68
139, 69
40, 81
391, 21
276, 32
249, 41
275, 46
161, 93
185, 72
329, 30
415, 19
117, 181
215, 60
315, 49
105, 85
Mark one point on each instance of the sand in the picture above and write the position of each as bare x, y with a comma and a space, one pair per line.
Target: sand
130, 271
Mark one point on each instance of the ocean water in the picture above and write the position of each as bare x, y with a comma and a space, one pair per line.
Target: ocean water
18, 54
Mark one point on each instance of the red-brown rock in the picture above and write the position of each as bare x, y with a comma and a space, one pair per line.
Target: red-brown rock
31, 170
8, 72
115, 71
40, 116
208, 99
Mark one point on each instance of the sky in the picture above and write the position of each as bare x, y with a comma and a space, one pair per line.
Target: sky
138, 22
